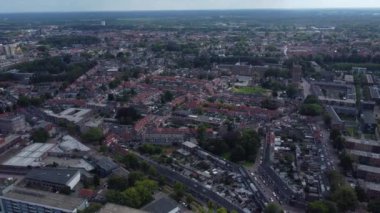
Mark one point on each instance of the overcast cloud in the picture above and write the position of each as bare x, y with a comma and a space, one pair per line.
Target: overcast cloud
128, 5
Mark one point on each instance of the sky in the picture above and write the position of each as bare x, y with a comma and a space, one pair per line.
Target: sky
10, 6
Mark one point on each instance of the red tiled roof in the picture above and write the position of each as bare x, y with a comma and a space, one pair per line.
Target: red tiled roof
87, 193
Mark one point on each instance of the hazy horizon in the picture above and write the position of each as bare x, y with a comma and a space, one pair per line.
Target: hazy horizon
25, 6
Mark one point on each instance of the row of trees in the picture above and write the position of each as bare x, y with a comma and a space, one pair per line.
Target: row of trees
59, 68
68, 41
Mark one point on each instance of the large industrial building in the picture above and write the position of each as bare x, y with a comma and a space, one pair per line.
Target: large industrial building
52, 179
30, 156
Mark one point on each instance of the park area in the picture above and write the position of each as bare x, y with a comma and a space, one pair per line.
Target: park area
250, 90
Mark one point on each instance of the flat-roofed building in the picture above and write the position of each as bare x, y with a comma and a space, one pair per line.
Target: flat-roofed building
8, 142
189, 146
373, 189
349, 79
163, 205
369, 79
367, 158
75, 115
368, 121
105, 166
374, 92
31, 155
332, 93
12, 123
164, 136
363, 145
53, 179
69, 144
25, 200
368, 173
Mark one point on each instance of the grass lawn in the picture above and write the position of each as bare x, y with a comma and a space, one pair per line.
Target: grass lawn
249, 90
353, 132
247, 164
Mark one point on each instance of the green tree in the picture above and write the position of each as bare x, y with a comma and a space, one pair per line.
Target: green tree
269, 104
189, 199
311, 99
93, 135
336, 180
272, 208
131, 161
135, 196
327, 119
201, 132
148, 184
96, 180
221, 210
114, 84
321, 207
291, 91
23, 101
167, 97
127, 115
117, 183
238, 154
40, 135
132, 197
334, 134
374, 206
134, 177
311, 109
179, 190
338, 143
345, 198
360, 192
115, 197
346, 162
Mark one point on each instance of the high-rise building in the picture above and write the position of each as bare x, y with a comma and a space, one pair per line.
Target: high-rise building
10, 49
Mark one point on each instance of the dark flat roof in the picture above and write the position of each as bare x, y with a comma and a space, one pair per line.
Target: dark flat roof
52, 175
106, 164
163, 205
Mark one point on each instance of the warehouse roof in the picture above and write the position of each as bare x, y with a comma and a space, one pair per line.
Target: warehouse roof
52, 175
29, 155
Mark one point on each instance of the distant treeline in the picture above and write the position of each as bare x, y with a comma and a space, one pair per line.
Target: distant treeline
69, 40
